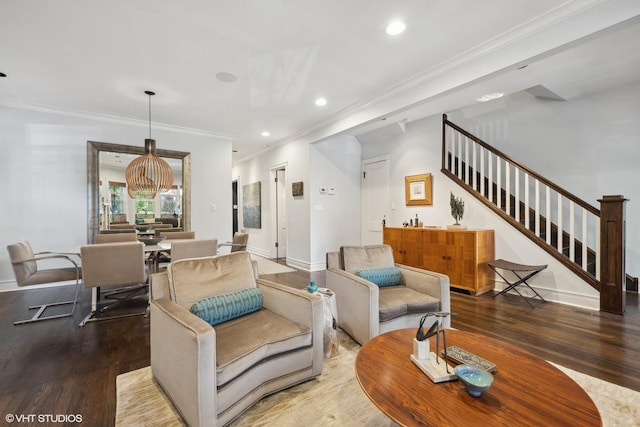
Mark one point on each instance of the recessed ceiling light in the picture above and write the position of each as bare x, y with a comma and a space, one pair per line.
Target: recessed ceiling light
265, 133
225, 77
490, 96
395, 28
321, 102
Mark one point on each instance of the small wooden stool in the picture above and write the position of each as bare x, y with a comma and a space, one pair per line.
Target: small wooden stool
515, 268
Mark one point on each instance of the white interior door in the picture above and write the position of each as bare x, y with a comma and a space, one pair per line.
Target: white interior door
281, 213
375, 199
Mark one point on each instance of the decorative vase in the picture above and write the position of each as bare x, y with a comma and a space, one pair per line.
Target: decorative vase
312, 287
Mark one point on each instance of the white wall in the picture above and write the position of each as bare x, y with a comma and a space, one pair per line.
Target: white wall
603, 157
335, 218
295, 157
317, 222
589, 146
418, 151
43, 170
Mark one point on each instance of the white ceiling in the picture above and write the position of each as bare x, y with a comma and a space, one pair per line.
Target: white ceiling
607, 60
98, 57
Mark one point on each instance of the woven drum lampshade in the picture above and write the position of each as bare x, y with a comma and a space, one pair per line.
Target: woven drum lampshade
148, 174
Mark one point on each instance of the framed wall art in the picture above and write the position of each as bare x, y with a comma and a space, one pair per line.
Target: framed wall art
418, 189
297, 189
251, 207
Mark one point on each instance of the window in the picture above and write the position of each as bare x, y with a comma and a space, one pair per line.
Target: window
170, 202
144, 208
117, 194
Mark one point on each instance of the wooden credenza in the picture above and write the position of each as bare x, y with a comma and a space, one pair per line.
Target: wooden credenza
460, 254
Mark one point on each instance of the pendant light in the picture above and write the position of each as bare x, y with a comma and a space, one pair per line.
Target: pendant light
148, 174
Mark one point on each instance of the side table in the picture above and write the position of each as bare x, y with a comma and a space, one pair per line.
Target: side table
330, 316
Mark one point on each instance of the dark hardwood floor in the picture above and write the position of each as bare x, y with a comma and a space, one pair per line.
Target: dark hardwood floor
55, 367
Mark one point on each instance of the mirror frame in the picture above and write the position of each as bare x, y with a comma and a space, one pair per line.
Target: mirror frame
93, 181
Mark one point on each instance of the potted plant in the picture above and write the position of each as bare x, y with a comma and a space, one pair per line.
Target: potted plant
457, 209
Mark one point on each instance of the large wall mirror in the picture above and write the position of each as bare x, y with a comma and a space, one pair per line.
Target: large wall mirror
106, 160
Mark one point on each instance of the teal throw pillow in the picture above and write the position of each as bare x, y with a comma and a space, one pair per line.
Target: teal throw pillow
388, 276
222, 308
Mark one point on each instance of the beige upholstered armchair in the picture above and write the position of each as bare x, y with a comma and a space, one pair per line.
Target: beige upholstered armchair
366, 309
214, 373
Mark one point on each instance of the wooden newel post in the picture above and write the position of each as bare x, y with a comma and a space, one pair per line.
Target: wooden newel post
613, 287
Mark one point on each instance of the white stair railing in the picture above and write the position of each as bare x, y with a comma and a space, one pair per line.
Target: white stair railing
553, 217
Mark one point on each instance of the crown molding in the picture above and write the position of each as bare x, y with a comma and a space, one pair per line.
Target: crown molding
113, 119
550, 20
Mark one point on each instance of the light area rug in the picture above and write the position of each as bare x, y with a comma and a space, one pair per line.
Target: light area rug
266, 266
332, 399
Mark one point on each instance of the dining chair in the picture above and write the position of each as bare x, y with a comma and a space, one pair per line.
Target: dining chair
160, 226
119, 237
122, 226
195, 248
239, 242
25, 269
117, 266
164, 256
116, 237
174, 235
119, 231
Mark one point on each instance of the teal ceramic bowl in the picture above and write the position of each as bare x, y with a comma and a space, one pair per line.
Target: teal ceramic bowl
475, 380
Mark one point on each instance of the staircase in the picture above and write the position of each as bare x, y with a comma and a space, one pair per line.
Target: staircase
562, 224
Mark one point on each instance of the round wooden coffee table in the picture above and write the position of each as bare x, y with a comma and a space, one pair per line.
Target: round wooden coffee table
526, 390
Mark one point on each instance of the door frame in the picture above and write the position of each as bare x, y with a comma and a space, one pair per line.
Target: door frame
274, 232
235, 209
363, 217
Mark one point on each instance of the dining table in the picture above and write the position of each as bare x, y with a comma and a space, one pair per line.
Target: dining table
153, 253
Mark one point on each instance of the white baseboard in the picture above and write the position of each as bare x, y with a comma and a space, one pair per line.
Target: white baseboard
555, 295
260, 252
11, 285
300, 265
8, 285
319, 266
